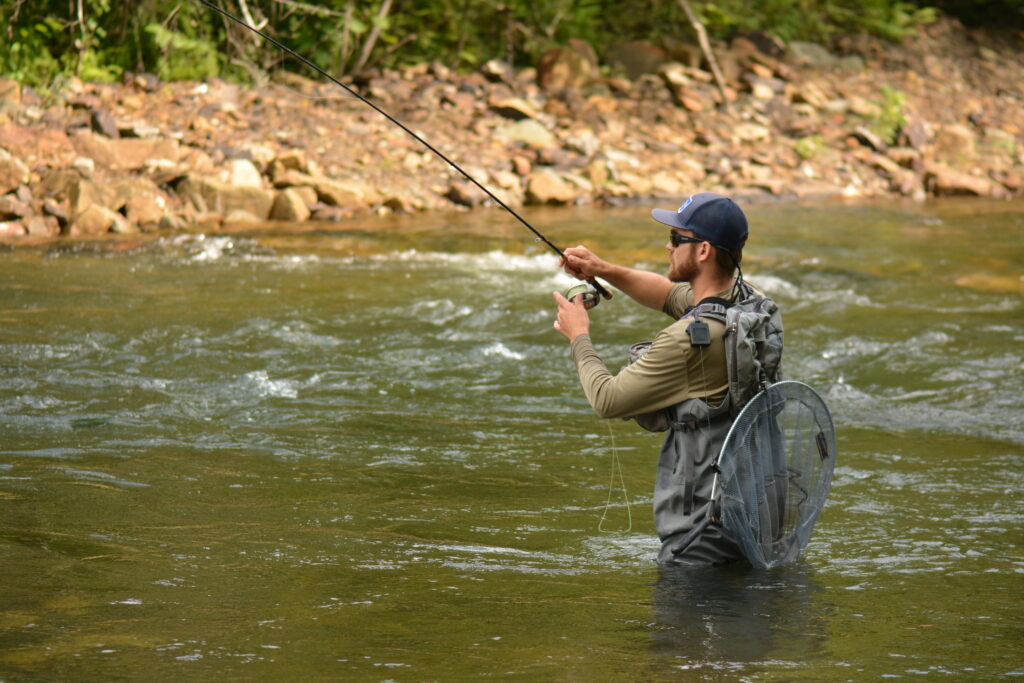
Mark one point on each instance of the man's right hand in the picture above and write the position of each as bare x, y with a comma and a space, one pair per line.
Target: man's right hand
583, 264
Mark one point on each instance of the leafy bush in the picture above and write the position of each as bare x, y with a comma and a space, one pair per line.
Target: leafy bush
183, 58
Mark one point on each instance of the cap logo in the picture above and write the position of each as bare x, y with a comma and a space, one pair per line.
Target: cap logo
685, 204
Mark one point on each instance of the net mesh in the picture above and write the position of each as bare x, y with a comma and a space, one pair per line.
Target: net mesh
775, 470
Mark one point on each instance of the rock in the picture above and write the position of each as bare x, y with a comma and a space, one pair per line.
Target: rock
907, 157
241, 217
102, 122
764, 88
347, 195
12, 208
869, 139
465, 193
290, 206
514, 108
943, 181
127, 154
42, 226
145, 209
635, 58
83, 194
210, 194
751, 132
58, 210
85, 166
636, 184
810, 54
547, 187
954, 143
11, 229
569, 66
917, 134
173, 223
243, 173
498, 71
12, 172
529, 132
95, 220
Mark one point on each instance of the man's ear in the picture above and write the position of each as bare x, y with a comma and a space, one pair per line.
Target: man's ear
705, 251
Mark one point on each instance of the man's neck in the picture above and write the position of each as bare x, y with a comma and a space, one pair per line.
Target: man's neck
706, 285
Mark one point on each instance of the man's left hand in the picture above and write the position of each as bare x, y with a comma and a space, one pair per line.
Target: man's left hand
573, 319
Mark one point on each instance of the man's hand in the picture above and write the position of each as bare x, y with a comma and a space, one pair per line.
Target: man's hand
583, 264
572, 319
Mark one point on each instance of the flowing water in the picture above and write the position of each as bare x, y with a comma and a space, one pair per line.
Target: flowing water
361, 452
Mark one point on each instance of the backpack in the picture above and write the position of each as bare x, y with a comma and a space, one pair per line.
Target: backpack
753, 346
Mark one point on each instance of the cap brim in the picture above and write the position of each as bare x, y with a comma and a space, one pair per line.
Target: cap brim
667, 216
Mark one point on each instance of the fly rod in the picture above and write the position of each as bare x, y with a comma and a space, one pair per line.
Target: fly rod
597, 285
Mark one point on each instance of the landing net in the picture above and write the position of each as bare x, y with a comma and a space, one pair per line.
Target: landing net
775, 470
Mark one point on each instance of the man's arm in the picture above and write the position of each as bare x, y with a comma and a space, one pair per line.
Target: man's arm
649, 289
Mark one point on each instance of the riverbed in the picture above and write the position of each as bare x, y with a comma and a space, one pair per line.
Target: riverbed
359, 451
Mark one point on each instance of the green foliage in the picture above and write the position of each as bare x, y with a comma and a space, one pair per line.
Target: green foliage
181, 39
183, 58
810, 146
891, 118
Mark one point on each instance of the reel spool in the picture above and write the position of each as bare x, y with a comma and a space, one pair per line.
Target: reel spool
590, 296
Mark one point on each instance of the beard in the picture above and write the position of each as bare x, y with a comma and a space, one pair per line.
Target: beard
685, 270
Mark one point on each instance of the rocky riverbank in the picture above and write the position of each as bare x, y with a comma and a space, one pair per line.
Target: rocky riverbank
942, 114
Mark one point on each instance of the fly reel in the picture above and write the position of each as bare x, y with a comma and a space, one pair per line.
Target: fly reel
590, 296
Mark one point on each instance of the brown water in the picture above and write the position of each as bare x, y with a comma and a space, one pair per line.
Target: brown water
360, 452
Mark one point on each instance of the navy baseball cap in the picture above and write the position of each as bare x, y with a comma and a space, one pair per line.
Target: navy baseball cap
715, 218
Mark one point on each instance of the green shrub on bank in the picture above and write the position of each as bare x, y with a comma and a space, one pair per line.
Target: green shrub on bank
182, 39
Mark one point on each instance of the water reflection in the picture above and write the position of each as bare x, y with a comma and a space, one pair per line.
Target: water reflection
734, 616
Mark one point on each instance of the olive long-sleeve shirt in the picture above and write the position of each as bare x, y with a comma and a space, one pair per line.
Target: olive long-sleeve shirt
670, 372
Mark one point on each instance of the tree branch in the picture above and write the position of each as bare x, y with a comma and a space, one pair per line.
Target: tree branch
705, 46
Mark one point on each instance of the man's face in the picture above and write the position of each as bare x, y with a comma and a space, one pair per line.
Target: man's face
682, 260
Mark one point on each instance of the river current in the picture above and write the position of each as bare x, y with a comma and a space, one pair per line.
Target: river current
360, 452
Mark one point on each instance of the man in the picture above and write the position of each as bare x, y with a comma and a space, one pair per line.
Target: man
681, 383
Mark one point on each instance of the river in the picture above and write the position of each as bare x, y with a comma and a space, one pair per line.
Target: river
359, 451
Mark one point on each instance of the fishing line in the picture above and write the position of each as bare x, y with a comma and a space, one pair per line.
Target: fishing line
616, 465
541, 238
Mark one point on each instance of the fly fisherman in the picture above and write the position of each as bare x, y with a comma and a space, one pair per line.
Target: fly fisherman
680, 383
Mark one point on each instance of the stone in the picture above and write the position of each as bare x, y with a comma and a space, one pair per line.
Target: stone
347, 195
210, 194
635, 58
127, 154
12, 172
465, 193
102, 122
514, 108
290, 206
572, 65
241, 217
42, 226
547, 187
95, 220
529, 132
954, 143
10, 94
145, 209
751, 132
498, 71
869, 139
11, 229
810, 54
943, 181
85, 166
243, 173
12, 208
172, 222
59, 210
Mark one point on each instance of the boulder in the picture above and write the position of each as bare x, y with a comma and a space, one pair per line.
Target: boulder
547, 187
12, 172
954, 143
96, 220
210, 194
11, 229
529, 132
568, 66
810, 54
102, 122
635, 58
42, 226
12, 208
290, 206
145, 209
346, 194
465, 193
125, 154
514, 108
943, 181
243, 173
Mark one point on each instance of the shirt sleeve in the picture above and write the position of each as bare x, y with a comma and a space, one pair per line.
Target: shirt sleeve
657, 380
679, 299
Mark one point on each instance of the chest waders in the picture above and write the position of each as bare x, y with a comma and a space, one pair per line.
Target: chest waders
696, 431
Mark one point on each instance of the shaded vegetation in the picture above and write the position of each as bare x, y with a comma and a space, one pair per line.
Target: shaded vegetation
181, 39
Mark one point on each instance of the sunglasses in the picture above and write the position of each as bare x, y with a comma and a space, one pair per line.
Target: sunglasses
676, 239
